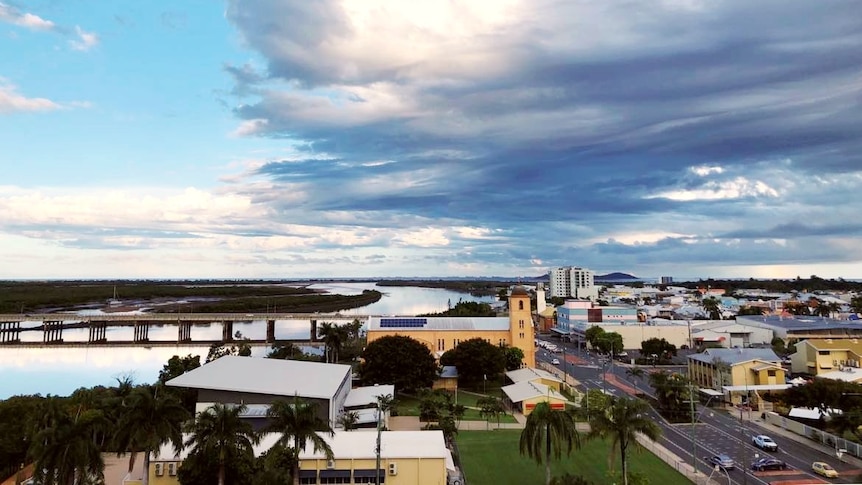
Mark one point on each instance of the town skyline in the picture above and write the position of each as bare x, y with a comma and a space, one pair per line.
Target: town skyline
424, 139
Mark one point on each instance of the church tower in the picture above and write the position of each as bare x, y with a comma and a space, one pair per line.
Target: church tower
521, 325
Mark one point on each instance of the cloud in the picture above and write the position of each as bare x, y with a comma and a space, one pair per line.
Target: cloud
11, 101
79, 39
83, 41
24, 19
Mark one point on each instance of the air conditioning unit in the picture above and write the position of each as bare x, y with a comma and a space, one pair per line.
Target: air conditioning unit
159, 470
330, 464
393, 468
172, 469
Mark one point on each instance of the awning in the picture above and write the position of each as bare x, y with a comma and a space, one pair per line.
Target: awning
334, 473
367, 473
711, 392
307, 473
557, 330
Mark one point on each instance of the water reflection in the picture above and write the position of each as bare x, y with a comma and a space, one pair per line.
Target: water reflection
60, 371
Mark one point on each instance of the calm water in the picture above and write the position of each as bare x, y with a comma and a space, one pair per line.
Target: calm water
61, 371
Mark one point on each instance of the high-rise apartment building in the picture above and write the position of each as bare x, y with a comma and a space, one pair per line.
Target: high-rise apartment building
573, 282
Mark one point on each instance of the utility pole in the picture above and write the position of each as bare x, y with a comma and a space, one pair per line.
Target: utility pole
377, 450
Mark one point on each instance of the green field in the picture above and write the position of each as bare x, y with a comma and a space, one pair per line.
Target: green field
492, 457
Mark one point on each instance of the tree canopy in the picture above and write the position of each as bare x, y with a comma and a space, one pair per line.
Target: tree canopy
514, 357
660, 347
402, 361
476, 360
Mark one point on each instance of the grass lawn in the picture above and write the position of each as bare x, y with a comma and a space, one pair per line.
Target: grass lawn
492, 457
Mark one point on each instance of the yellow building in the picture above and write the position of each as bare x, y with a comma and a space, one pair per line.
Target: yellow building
406, 458
737, 376
831, 358
440, 334
532, 386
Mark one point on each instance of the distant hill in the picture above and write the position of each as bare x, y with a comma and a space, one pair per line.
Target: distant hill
616, 277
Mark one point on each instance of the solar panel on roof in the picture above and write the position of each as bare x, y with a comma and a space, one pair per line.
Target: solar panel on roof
403, 322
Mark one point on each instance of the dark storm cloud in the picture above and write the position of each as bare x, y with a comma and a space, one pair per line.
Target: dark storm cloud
571, 124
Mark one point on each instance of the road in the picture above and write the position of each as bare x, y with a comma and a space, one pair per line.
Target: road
716, 430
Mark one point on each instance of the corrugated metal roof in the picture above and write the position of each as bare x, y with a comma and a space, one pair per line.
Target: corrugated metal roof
530, 374
367, 396
735, 356
267, 376
521, 391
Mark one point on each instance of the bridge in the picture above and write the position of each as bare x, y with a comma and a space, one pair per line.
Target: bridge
52, 325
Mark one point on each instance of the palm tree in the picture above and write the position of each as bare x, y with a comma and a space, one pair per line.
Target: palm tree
635, 373
723, 369
712, 307
334, 337
220, 432
622, 421
148, 421
348, 420
298, 422
63, 449
548, 432
490, 407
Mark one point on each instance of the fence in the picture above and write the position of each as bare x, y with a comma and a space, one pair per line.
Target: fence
840, 445
675, 462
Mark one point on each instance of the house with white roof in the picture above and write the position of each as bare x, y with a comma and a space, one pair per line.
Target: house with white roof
257, 382
406, 458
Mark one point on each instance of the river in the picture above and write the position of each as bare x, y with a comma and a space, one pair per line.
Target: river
59, 371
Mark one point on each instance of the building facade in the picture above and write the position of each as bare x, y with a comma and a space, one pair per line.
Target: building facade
819, 357
738, 376
440, 334
573, 282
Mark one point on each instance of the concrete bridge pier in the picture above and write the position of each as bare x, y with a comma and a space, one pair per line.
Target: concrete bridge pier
52, 332
313, 331
227, 331
98, 332
270, 331
142, 332
184, 332
10, 332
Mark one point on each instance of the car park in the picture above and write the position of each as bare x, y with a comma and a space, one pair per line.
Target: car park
824, 469
764, 442
768, 463
723, 460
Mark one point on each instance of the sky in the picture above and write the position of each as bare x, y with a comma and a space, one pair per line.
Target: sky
378, 138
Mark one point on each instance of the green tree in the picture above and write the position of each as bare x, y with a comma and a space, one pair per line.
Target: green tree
593, 334
636, 373
218, 435
672, 393
610, 343
402, 361
778, 346
593, 401
548, 433
712, 307
18, 417
514, 357
348, 420
218, 350
621, 422
63, 449
490, 408
660, 347
299, 423
177, 366
150, 420
477, 359
856, 304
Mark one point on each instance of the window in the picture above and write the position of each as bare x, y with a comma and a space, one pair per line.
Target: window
521, 324
308, 480
336, 479
771, 373
520, 305
823, 352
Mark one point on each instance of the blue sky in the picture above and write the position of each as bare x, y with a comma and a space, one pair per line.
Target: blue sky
364, 138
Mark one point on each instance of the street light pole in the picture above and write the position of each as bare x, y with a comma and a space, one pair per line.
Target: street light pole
693, 429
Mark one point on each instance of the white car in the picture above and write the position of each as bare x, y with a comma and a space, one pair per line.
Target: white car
556, 361
764, 442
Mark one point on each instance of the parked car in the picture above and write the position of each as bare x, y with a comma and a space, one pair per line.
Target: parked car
824, 469
722, 460
555, 362
768, 463
764, 442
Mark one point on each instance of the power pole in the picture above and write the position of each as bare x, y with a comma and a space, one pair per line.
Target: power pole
377, 450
